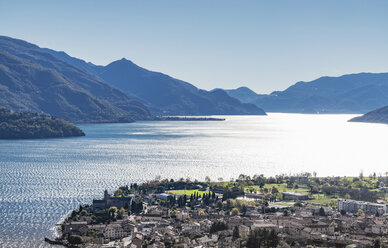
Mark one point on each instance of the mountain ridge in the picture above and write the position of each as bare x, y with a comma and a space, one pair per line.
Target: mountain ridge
161, 93
349, 93
32, 79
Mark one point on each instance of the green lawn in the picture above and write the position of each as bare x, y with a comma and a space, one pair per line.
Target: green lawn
323, 199
282, 187
320, 199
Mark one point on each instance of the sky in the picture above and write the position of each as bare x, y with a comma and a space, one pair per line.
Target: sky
264, 45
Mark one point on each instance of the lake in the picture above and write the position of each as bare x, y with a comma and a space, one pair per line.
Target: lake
41, 180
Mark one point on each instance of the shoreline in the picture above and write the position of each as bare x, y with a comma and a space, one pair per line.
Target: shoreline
179, 118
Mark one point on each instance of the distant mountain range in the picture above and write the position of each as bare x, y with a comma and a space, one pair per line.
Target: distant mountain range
353, 93
162, 94
376, 116
46, 81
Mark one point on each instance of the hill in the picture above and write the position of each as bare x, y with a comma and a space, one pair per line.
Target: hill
244, 94
162, 94
353, 93
376, 116
31, 79
24, 125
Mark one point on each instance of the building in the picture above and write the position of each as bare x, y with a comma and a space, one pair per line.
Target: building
163, 196
76, 227
111, 201
114, 231
383, 189
254, 196
294, 196
353, 206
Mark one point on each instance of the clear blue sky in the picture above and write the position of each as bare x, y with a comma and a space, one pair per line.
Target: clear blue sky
265, 45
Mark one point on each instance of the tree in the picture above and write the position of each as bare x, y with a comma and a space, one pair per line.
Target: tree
173, 213
314, 189
273, 239
75, 239
262, 238
242, 177
254, 239
121, 213
118, 192
236, 233
219, 205
360, 213
376, 243
218, 226
112, 211
230, 203
235, 212
322, 212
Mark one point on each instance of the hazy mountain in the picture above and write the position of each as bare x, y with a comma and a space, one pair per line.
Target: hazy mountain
31, 79
162, 94
353, 93
376, 116
166, 95
244, 94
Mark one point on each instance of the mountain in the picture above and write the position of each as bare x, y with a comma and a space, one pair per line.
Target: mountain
78, 63
244, 94
162, 94
32, 79
376, 116
24, 125
353, 93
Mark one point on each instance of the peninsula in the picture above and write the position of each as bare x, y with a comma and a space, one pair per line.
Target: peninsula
376, 116
25, 125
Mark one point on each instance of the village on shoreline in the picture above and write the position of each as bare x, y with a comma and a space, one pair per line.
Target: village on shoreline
283, 211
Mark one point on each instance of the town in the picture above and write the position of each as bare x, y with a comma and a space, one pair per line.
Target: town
281, 211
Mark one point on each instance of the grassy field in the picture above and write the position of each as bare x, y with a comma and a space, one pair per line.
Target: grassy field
323, 199
281, 187
320, 199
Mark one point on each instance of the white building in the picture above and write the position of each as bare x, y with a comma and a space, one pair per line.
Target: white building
353, 206
114, 231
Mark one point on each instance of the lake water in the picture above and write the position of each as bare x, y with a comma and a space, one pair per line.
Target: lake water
41, 180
